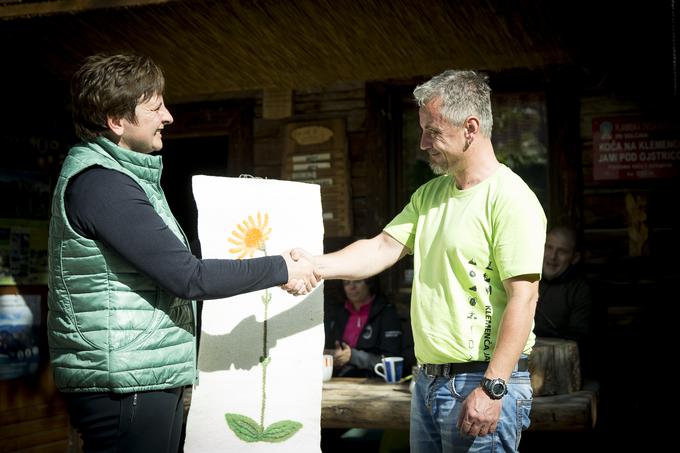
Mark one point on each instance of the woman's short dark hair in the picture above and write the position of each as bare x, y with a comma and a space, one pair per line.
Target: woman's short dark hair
111, 86
372, 283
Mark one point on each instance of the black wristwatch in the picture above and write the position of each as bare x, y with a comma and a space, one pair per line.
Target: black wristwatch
495, 388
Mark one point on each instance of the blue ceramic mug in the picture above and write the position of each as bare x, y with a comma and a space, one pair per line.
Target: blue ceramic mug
391, 369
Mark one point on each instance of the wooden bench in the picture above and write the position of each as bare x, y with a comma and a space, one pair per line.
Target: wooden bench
575, 411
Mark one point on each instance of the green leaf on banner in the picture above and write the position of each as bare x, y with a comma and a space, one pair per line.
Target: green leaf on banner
244, 427
280, 431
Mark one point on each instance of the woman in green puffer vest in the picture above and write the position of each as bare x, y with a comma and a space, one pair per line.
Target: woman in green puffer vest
123, 282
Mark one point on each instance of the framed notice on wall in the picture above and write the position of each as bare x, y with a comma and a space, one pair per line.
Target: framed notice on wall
635, 147
23, 251
316, 152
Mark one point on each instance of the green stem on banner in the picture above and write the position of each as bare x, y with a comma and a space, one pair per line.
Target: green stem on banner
265, 357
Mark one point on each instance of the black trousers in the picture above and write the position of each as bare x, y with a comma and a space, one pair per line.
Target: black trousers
144, 422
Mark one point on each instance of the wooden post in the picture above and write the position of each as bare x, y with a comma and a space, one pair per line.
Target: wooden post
555, 367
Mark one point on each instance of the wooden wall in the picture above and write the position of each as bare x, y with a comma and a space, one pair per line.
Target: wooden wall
357, 104
629, 226
348, 101
32, 412
631, 277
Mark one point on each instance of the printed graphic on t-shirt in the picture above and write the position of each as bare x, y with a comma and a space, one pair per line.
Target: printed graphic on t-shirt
485, 283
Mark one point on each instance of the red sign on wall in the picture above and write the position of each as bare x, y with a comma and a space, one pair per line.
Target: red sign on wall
635, 148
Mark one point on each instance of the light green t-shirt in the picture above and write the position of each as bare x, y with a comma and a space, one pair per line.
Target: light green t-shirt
465, 243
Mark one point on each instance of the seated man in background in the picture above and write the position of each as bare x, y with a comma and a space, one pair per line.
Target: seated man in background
362, 330
564, 301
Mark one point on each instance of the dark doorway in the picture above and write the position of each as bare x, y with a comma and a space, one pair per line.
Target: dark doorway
183, 158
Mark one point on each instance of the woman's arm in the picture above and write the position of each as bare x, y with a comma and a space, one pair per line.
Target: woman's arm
108, 206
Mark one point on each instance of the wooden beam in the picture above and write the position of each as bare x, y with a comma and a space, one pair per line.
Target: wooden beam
68, 6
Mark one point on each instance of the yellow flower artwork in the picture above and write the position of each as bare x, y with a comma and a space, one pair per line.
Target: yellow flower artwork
250, 236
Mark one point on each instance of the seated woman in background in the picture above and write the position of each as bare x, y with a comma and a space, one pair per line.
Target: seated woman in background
362, 330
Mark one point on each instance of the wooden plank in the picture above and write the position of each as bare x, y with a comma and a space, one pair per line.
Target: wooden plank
263, 128
44, 442
330, 95
575, 411
38, 411
267, 171
336, 86
31, 426
360, 187
339, 105
37, 440
356, 121
364, 403
267, 151
277, 103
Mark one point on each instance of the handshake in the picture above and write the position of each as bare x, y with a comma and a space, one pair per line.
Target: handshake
302, 273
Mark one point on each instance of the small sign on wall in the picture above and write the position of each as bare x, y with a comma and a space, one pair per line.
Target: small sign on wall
635, 147
316, 153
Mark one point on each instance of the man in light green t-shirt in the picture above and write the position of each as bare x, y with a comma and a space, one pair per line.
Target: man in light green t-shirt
477, 234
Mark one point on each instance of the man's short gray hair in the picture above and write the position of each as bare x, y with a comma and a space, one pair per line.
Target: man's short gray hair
463, 93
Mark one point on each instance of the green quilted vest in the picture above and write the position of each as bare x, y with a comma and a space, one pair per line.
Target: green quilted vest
111, 328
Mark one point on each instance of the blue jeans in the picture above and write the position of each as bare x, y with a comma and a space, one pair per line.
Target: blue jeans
436, 405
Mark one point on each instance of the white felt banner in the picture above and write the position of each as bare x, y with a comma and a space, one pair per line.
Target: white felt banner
260, 353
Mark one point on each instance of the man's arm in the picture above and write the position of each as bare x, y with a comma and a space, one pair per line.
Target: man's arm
480, 414
361, 259
515, 326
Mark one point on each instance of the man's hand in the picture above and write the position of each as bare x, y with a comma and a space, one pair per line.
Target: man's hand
479, 414
298, 253
341, 354
301, 277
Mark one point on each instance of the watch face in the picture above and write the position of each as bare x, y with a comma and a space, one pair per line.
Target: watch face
498, 389
495, 388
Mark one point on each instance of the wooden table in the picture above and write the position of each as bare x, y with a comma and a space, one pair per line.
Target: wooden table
365, 403
371, 403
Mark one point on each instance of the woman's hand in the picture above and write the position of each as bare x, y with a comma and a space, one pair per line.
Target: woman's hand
341, 354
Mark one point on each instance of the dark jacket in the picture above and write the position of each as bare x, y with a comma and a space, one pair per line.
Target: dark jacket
564, 307
381, 336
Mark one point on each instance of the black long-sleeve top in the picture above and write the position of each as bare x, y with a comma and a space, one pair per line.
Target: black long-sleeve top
109, 206
564, 307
